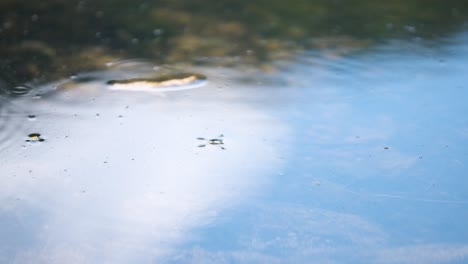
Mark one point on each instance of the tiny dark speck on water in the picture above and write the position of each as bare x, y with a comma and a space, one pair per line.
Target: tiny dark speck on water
31, 117
386, 148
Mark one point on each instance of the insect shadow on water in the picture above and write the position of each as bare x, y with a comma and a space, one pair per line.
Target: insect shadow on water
218, 141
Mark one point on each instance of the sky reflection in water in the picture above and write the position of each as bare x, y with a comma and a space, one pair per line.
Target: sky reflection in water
359, 159
377, 168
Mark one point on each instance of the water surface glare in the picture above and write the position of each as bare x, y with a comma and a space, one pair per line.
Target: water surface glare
358, 159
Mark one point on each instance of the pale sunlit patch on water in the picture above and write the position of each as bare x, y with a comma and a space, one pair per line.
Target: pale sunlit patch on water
122, 172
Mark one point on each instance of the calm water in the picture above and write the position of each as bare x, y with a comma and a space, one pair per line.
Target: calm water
335, 149
356, 159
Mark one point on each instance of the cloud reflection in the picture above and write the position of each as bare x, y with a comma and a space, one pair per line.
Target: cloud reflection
121, 179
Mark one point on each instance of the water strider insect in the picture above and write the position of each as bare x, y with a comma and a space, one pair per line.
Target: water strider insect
219, 141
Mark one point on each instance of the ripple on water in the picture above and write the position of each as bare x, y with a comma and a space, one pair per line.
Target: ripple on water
19, 90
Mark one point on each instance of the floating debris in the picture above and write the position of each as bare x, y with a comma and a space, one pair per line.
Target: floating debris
178, 81
35, 137
31, 117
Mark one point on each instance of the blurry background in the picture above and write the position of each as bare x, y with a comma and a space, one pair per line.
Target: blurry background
46, 39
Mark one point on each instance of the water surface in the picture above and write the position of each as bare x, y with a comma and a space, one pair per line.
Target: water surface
321, 132
352, 159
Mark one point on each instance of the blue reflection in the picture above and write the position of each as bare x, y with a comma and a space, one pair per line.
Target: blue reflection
376, 171
18, 225
336, 159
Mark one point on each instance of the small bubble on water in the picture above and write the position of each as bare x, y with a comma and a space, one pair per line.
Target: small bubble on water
409, 29
157, 32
